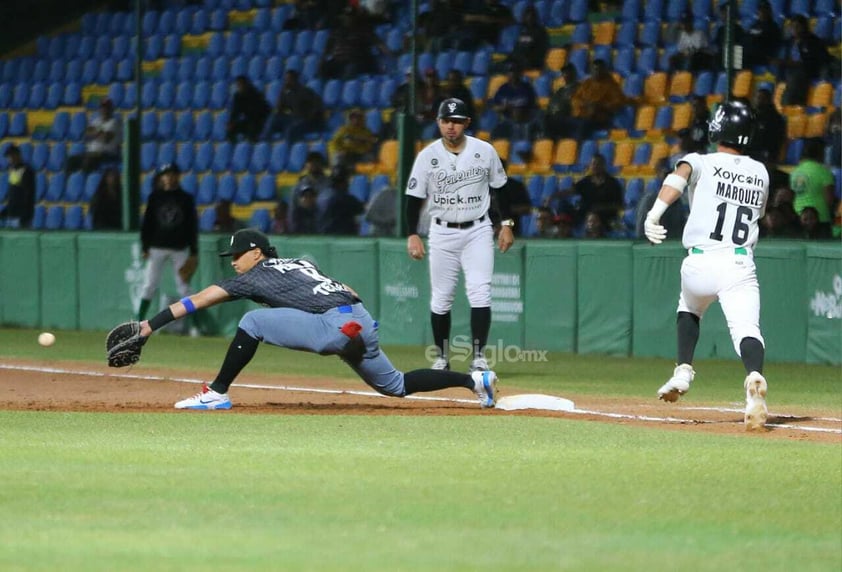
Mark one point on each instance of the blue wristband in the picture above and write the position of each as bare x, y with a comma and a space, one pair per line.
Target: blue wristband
188, 304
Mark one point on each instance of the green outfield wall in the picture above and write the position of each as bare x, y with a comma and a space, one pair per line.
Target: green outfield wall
591, 297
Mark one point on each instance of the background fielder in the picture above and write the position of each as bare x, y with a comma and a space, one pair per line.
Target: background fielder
727, 192
305, 310
454, 174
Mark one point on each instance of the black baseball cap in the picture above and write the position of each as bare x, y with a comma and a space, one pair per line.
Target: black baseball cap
245, 240
169, 168
453, 108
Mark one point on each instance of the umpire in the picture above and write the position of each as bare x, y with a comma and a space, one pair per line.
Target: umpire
170, 232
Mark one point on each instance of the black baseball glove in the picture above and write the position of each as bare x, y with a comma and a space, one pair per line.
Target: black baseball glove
123, 344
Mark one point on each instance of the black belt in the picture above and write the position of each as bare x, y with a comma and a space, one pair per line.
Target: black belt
466, 224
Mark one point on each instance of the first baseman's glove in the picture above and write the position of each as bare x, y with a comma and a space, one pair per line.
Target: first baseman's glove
123, 344
188, 268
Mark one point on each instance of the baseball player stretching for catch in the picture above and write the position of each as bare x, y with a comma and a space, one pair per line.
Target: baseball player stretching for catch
305, 310
454, 173
727, 192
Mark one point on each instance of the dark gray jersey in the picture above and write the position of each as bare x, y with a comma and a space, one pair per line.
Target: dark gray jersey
289, 283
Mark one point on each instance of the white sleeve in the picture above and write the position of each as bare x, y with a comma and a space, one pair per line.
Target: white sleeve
416, 185
497, 174
694, 160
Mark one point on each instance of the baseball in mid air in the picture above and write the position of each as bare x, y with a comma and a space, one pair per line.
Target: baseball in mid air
46, 339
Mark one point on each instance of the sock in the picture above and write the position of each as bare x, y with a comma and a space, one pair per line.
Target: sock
441, 332
480, 325
240, 352
687, 325
432, 380
144, 307
752, 353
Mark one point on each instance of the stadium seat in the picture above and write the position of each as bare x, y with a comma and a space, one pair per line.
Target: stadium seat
166, 153
682, 115
74, 217
703, 84
202, 125
578, 10
39, 217
220, 121
207, 219
221, 157
266, 188
57, 157
54, 218
246, 189
369, 93
579, 58
184, 127
219, 95
587, 150
535, 187
233, 44
218, 20
166, 126
59, 128
249, 46
185, 154
78, 124
207, 189
481, 63
680, 86
148, 155
75, 187
278, 157
581, 34
261, 219
203, 156
655, 88
259, 159
227, 187
663, 118
4, 124
91, 184
332, 93
359, 187
40, 152
55, 187
297, 157
240, 157
149, 93
183, 95
148, 125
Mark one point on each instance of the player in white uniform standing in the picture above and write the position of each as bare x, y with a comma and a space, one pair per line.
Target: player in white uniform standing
727, 192
455, 174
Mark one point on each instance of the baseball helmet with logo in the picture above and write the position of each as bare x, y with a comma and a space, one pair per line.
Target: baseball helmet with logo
732, 125
453, 108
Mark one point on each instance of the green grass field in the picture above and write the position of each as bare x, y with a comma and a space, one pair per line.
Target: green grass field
85, 491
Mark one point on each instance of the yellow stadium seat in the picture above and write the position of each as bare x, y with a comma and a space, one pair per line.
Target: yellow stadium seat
681, 84
387, 160
655, 88
603, 33
645, 118
816, 125
503, 147
682, 114
796, 124
566, 151
556, 58
742, 83
541, 161
494, 84
623, 153
820, 94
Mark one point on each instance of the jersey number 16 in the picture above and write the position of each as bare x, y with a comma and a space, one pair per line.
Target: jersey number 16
740, 232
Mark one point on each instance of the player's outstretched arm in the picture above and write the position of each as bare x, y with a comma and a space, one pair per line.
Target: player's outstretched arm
208, 297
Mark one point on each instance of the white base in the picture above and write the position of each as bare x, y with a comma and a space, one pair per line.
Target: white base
534, 401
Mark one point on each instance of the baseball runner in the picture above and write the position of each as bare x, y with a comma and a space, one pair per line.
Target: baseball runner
169, 232
727, 192
305, 310
454, 174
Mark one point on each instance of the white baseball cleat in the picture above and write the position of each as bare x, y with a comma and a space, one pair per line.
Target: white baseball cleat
485, 386
441, 363
479, 364
205, 400
756, 411
679, 383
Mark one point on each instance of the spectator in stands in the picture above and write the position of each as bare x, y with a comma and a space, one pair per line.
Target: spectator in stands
107, 203
813, 183
545, 223
833, 137
559, 122
303, 212
483, 24
532, 42
808, 61
599, 193
400, 101
337, 208
597, 100
225, 222
20, 202
811, 226
381, 211
673, 219
769, 127
428, 99
298, 111
248, 112
692, 45
310, 15
378, 11
353, 142
783, 201
102, 140
594, 227
698, 129
280, 220
774, 225
514, 199
440, 27
350, 47
314, 174
517, 105
454, 86
764, 38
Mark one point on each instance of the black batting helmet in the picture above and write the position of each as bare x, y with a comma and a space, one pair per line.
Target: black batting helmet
732, 125
453, 108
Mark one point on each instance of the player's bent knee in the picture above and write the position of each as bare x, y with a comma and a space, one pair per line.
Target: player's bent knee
250, 325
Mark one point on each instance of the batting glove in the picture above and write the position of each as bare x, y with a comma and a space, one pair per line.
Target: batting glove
654, 231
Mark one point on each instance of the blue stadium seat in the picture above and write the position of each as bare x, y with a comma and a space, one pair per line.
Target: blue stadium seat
206, 193
183, 95
148, 155
246, 189
55, 217
117, 94
303, 42
285, 43
106, 72
55, 187
721, 85
320, 41
233, 44
74, 218
78, 124
73, 70
153, 46
149, 94
587, 149
647, 60
703, 84
623, 61
359, 187
507, 39
207, 219
201, 95
20, 95
579, 58
535, 188
184, 126
543, 85
5, 95
652, 11
59, 128
581, 33
237, 66
578, 11
202, 125
57, 70
57, 157
241, 156
256, 68
40, 152
166, 126
203, 157
297, 157
203, 68
262, 19
481, 63
227, 187
149, 25
184, 156
626, 35
278, 157
218, 20
190, 183
266, 189
332, 93
172, 46
259, 160
633, 193
443, 62
261, 219
374, 121
166, 153
75, 188
119, 47
186, 68
642, 153
663, 117
4, 188
310, 67
4, 125
37, 95
146, 186
200, 22
148, 125
606, 149
219, 70
91, 184
794, 148
219, 95
72, 94
350, 94
17, 125
221, 157
220, 121
266, 44
39, 217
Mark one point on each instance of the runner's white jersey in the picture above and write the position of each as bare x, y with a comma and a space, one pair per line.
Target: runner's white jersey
727, 195
456, 185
